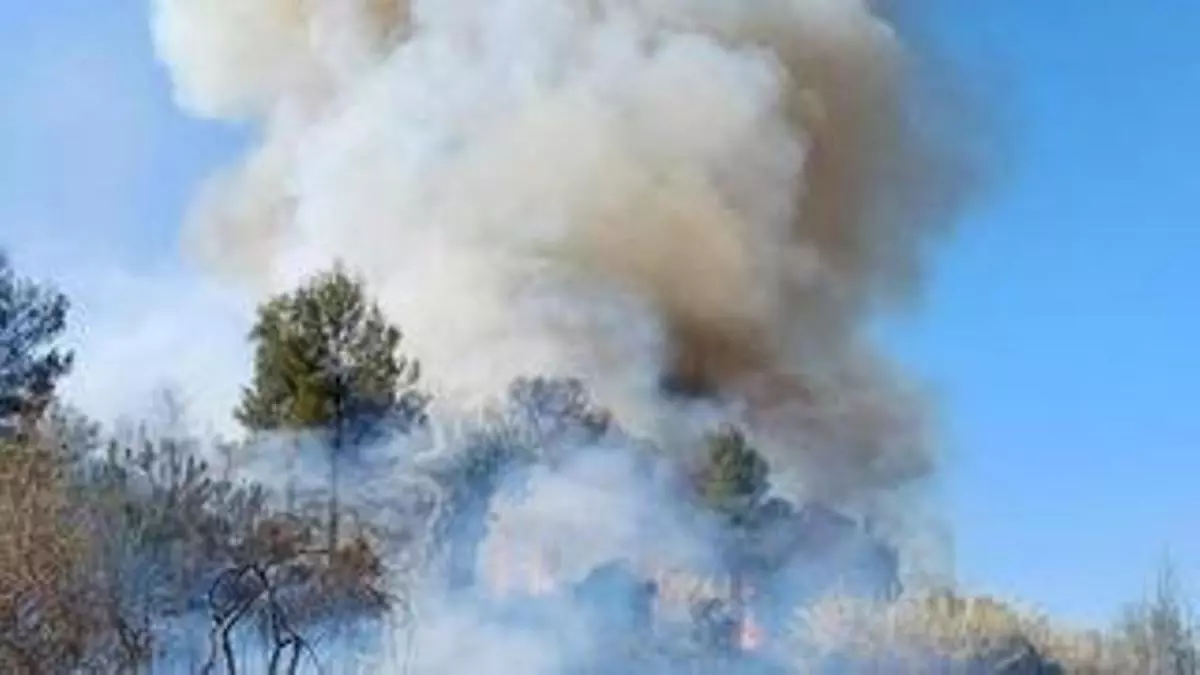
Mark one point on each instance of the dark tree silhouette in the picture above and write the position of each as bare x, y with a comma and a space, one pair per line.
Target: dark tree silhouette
32, 319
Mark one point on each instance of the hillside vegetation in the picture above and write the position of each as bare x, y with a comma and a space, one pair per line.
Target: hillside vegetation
154, 549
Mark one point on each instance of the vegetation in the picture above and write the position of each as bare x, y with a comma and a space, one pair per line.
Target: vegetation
129, 553
327, 362
32, 319
1156, 637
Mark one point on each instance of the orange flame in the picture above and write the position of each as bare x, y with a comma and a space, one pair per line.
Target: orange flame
751, 636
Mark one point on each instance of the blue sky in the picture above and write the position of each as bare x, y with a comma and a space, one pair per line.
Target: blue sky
1063, 325
1061, 331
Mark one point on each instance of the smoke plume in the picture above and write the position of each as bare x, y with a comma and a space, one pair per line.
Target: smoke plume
674, 200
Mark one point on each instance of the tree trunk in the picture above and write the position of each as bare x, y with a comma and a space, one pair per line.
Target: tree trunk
335, 452
289, 490
333, 500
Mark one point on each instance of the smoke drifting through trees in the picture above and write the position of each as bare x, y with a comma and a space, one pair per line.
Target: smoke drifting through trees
140, 559
657, 197
689, 208
608, 227
611, 225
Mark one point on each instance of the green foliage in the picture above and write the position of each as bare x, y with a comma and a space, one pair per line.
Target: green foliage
326, 358
115, 551
734, 478
32, 319
327, 362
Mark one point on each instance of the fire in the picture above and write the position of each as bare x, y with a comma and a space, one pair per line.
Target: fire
518, 571
751, 635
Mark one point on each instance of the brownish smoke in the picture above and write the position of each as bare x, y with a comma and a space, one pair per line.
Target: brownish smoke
680, 197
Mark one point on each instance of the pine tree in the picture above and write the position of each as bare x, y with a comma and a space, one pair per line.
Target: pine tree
734, 478
327, 362
733, 483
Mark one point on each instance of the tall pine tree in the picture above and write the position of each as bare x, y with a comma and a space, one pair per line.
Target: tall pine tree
327, 361
733, 482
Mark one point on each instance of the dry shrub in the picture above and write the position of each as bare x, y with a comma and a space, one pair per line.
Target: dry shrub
48, 620
945, 628
914, 632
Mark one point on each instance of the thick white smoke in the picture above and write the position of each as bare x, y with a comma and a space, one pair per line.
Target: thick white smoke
697, 192
665, 198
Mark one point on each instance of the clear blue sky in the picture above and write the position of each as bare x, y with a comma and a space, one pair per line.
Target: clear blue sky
1062, 328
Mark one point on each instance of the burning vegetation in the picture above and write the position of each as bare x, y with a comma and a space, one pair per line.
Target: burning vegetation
540, 537
634, 423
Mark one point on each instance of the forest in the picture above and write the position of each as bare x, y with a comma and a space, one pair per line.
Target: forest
151, 548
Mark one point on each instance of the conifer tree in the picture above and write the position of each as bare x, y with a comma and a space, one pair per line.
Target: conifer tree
327, 362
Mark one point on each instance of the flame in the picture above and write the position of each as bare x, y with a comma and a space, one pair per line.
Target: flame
751, 635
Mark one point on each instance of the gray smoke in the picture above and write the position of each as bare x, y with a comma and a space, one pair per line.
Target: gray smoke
693, 205
704, 195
